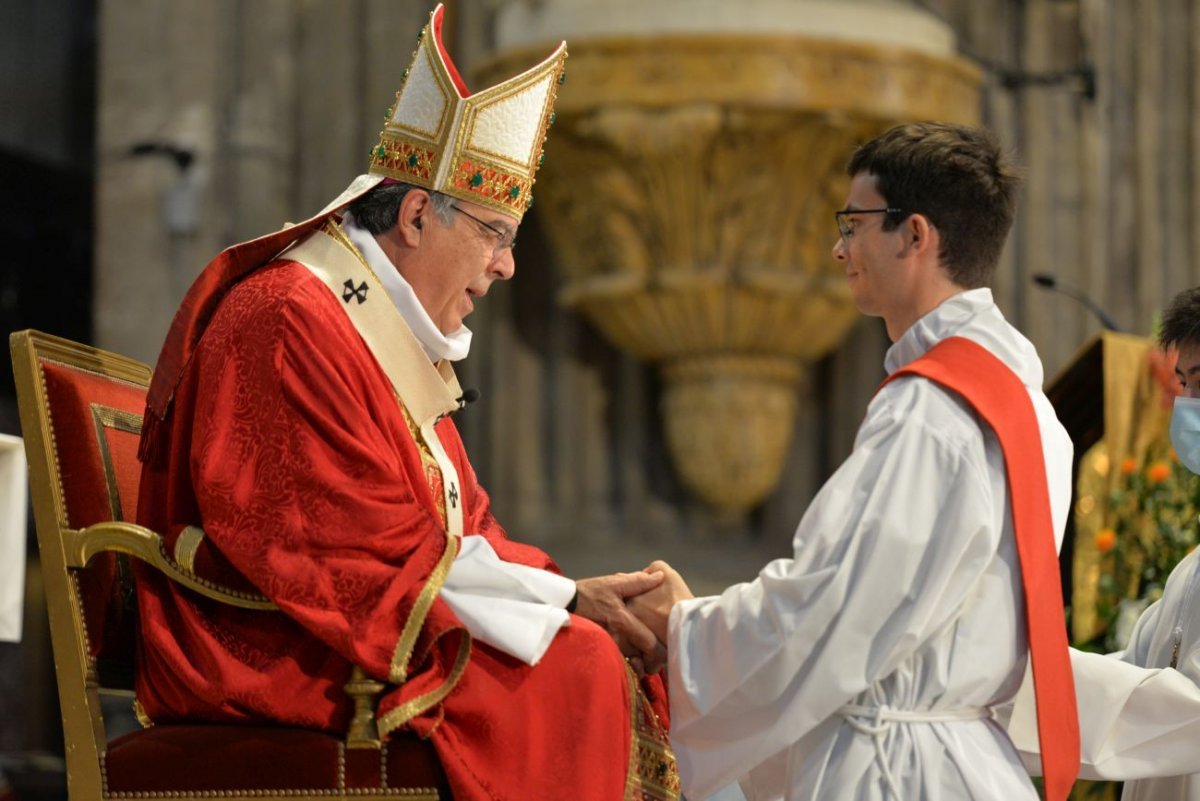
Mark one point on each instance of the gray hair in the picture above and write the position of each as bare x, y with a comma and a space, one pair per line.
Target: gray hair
376, 210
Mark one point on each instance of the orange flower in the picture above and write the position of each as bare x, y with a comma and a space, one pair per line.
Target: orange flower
1128, 465
1106, 538
1158, 472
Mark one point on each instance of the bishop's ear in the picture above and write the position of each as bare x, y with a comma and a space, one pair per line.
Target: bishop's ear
409, 216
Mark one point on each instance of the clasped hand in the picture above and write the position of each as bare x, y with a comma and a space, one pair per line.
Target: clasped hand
634, 609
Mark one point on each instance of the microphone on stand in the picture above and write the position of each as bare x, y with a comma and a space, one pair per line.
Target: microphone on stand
1048, 281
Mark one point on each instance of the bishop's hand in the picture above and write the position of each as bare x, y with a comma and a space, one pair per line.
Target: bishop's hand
602, 600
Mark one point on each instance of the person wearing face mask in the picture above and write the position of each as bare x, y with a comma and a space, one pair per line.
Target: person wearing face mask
1139, 709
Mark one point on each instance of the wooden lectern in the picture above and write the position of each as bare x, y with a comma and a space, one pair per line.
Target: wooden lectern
1113, 407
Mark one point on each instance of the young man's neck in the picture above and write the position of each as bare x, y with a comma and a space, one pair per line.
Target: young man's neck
928, 300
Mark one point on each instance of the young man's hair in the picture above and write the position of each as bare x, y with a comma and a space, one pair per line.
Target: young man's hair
958, 178
1181, 320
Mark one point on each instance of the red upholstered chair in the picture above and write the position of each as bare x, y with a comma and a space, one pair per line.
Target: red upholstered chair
81, 416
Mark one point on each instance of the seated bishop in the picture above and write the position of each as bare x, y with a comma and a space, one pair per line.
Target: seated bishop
299, 445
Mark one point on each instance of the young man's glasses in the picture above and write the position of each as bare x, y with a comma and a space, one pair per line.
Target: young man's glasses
504, 239
846, 226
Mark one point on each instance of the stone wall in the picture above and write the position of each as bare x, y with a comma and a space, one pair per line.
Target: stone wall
278, 101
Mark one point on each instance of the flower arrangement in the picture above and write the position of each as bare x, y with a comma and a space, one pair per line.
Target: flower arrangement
1154, 526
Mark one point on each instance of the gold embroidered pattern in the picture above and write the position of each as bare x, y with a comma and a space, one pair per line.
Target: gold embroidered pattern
186, 547
410, 709
397, 156
416, 618
490, 185
653, 774
433, 471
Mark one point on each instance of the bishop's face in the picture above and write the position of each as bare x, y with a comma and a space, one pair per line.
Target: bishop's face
461, 260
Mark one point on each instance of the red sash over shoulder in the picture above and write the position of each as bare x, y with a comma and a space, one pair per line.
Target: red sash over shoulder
998, 396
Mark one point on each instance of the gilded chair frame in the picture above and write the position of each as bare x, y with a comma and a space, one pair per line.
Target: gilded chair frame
65, 549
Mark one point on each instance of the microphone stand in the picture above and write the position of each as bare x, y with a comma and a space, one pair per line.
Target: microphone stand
1048, 281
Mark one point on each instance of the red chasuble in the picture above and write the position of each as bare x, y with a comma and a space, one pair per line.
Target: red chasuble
286, 444
1001, 400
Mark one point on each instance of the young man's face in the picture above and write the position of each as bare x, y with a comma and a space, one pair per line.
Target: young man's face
1187, 369
875, 274
463, 260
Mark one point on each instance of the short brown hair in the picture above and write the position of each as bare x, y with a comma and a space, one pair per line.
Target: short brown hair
1181, 320
959, 179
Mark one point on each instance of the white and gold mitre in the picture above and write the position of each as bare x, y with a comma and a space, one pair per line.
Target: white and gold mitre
483, 147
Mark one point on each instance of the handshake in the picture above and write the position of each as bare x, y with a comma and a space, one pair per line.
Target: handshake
634, 609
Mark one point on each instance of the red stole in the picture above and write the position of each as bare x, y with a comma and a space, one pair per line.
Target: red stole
998, 396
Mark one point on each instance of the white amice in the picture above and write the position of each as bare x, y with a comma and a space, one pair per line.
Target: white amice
437, 346
875, 654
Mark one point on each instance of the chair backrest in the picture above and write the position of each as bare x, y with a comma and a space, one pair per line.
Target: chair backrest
81, 416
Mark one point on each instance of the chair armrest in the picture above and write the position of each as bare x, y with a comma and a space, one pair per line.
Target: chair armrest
81, 545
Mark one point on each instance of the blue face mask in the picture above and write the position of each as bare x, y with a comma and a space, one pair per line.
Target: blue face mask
1185, 432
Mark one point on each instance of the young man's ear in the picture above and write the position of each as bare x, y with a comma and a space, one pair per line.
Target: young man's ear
919, 235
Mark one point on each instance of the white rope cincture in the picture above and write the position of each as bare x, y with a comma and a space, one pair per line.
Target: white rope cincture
876, 721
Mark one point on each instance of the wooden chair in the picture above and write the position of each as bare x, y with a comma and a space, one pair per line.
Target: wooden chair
81, 418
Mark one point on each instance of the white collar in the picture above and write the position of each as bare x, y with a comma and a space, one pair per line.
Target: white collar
946, 319
453, 347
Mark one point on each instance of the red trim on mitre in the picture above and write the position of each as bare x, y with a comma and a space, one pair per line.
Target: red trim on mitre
436, 30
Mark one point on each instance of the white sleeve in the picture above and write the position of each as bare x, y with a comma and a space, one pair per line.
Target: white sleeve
1134, 722
514, 608
757, 668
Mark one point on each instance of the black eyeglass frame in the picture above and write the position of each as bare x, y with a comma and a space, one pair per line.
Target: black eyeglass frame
847, 232
505, 239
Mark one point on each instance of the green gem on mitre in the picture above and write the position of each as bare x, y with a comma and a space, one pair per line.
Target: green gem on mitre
562, 77
553, 117
413, 160
380, 152
515, 192
477, 179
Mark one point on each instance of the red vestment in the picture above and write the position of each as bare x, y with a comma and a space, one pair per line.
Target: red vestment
287, 445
